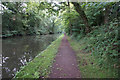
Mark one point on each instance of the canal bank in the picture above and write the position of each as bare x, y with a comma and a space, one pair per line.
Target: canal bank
18, 51
41, 65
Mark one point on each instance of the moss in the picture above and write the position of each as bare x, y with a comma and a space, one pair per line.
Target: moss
40, 66
87, 63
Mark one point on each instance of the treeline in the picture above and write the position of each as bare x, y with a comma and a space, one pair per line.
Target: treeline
98, 24
29, 18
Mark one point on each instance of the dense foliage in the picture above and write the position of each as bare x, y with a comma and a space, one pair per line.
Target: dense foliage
28, 18
96, 23
102, 40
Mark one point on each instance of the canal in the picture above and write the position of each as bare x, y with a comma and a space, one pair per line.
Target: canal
17, 51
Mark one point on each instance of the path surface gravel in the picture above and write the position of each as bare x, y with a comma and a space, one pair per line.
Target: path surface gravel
65, 65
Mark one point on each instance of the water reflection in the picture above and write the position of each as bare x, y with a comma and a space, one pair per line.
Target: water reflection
18, 51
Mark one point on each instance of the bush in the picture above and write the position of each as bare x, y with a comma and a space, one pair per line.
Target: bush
103, 43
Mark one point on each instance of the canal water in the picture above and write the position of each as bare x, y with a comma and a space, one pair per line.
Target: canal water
17, 51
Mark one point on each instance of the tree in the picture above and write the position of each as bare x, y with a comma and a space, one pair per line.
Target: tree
82, 15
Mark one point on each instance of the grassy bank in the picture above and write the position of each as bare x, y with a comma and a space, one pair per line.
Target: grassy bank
41, 65
87, 63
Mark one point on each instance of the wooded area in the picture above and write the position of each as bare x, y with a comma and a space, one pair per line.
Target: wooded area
28, 18
95, 22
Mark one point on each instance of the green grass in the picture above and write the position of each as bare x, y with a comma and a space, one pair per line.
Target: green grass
41, 65
87, 63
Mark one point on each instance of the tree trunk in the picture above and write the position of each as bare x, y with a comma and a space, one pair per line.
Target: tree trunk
70, 25
106, 20
82, 15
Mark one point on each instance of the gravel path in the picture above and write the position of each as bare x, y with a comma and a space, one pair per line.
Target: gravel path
65, 65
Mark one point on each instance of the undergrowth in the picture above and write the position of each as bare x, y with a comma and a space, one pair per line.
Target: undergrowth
98, 54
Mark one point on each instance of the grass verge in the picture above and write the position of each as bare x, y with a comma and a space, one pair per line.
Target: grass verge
87, 63
41, 65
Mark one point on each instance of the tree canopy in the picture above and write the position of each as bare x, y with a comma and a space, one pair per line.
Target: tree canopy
97, 22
